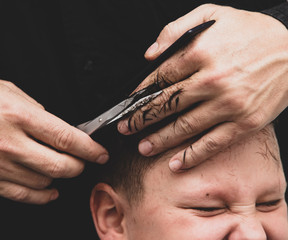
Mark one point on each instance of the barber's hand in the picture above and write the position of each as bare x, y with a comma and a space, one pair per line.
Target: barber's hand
36, 146
232, 80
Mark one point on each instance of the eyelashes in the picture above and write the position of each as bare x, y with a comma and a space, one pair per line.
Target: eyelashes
269, 204
213, 211
208, 209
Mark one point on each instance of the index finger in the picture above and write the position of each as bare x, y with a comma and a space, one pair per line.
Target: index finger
55, 132
180, 44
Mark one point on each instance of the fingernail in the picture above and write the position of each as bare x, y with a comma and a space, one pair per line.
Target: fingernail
102, 158
152, 49
123, 127
175, 165
145, 147
54, 196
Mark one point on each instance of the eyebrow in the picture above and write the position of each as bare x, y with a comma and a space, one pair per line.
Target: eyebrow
207, 192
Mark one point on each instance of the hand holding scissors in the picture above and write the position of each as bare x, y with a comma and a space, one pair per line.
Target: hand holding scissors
228, 83
143, 96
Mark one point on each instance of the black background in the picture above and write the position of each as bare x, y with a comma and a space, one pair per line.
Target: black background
74, 57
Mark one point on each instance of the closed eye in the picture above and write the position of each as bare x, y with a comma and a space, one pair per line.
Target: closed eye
268, 206
206, 211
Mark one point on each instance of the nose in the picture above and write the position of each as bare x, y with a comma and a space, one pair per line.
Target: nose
248, 228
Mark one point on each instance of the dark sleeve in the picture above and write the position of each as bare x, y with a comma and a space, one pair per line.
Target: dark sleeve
279, 12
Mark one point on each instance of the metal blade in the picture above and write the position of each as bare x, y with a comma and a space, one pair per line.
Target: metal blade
100, 121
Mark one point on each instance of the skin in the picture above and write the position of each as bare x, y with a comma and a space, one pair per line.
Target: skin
36, 147
234, 82
224, 82
238, 194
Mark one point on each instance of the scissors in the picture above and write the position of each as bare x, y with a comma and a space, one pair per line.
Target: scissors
145, 95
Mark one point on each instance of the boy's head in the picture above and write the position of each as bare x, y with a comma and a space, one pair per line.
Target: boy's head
237, 194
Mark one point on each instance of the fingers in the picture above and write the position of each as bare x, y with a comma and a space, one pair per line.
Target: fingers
23, 113
173, 99
211, 143
182, 65
42, 159
186, 61
16, 173
174, 30
36, 146
180, 98
184, 127
24, 194
55, 132
22, 184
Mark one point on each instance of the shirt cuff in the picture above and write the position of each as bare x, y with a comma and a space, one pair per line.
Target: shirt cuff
279, 12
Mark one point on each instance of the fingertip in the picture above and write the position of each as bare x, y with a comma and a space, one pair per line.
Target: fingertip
54, 195
92, 151
145, 147
103, 158
123, 127
151, 51
175, 165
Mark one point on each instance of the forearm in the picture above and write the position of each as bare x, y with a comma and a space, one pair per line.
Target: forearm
279, 12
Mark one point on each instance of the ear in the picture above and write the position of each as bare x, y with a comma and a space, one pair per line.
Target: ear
107, 212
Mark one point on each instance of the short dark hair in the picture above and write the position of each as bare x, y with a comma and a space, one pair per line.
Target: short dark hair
126, 168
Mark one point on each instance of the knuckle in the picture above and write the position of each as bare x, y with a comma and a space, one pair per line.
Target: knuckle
19, 194
4, 168
212, 145
43, 182
170, 28
190, 159
57, 169
210, 82
207, 5
208, 8
77, 170
235, 104
91, 150
160, 140
10, 112
253, 122
8, 84
5, 146
63, 139
8, 148
60, 169
216, 81
184, 126
165, 75
164, 96
22, 118
15, 114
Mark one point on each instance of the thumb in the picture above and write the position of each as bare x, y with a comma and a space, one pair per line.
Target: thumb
174, 30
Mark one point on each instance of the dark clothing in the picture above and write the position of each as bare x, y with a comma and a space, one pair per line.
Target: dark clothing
74, 57
279, 12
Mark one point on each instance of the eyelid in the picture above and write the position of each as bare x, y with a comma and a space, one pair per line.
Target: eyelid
268, 206
206, 211
269, 203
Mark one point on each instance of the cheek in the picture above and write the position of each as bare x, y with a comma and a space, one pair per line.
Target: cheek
276, 224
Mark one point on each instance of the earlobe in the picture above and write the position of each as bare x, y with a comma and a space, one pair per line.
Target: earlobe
107, 212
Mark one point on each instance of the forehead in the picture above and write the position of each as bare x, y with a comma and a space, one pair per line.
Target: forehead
252, 166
